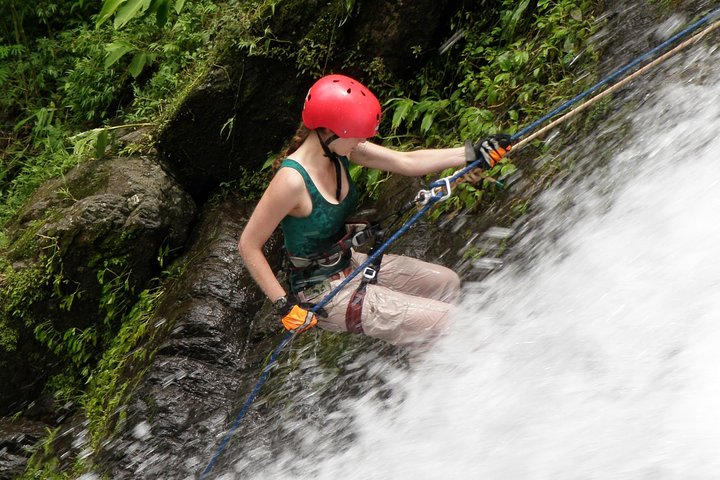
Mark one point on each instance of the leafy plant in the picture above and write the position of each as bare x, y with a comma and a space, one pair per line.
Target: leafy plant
518, 60
129, 349
124, 11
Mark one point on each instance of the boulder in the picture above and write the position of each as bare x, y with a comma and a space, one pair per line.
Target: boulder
212, 312
80, 250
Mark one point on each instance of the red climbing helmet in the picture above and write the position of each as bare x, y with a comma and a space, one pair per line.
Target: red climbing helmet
344, 106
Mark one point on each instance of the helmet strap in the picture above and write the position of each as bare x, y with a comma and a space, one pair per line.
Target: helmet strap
334, 158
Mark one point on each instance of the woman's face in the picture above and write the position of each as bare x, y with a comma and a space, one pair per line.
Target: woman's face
345, 146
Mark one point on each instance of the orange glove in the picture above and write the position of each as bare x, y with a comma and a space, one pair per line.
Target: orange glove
299, 318
491, 150
294, 314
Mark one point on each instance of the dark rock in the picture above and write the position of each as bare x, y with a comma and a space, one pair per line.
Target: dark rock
16, 437
183, 403
108, 217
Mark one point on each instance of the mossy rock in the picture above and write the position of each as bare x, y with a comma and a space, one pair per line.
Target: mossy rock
78, 253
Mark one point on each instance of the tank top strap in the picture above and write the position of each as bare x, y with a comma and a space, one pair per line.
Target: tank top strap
290, 163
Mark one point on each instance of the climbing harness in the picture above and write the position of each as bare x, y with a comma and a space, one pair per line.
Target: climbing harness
353, 313
441, 189
357, 234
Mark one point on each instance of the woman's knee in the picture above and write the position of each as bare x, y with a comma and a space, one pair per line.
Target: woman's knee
448, 285
403, 319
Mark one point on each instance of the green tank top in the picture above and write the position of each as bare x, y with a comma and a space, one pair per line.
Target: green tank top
316, 233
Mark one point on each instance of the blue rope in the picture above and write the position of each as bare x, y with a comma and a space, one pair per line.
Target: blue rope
436, 196
246, 406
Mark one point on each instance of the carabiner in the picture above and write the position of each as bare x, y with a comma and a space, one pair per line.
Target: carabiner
424, 196
448, 189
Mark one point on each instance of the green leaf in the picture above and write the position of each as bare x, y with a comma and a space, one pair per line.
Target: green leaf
130, 10
521, 57
163, 13
4, 74
427, 122
507, 168
502, 77
101, 143
229, 125
402, 108
108, 9
115, 52
373, 176
355, 171
514, 20
179, 4
138, 63
505, 62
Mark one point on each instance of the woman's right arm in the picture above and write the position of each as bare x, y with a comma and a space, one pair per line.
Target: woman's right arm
281, 197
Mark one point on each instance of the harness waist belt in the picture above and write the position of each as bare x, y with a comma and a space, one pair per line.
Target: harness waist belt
357, 235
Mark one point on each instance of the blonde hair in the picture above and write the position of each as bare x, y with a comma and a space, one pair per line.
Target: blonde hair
300, 135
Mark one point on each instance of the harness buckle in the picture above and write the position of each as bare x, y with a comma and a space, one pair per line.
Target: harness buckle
369, 273
360, 238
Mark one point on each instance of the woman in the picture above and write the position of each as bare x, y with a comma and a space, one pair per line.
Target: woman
312, 195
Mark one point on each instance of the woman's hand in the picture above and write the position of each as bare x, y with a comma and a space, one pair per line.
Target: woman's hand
296, 315
491, 150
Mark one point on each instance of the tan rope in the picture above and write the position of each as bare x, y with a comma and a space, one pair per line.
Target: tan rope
617, 86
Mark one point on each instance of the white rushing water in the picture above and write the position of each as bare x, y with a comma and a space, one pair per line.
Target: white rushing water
598, 359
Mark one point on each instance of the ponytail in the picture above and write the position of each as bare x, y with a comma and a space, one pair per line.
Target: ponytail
300, 135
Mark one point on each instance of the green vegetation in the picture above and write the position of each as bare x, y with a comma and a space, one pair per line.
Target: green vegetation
513, 64
73, 72
64, 93
105, 386
70, 80
20, 289
505, 75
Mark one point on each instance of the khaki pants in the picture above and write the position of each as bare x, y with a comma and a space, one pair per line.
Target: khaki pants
410, 303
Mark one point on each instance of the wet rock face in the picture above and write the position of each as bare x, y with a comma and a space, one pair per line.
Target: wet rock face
404, 34
110, 216
128, 208
15, 437
184, 401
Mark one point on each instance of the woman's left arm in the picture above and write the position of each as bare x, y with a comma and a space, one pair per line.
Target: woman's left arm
411, 164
